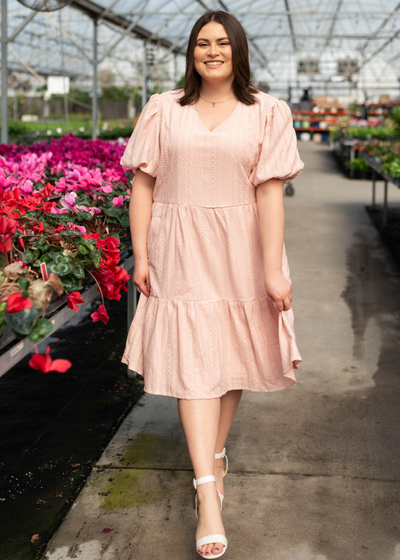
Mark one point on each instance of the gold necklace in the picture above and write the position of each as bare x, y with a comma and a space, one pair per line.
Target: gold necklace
214, 102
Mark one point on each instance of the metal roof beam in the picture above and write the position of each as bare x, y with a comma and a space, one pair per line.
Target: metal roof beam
380, 49
326, 15
332, 26
122, 35
95, 11
254, 45
290, 22
380, 28
315, 36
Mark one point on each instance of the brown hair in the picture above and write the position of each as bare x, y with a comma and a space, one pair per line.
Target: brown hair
242, 88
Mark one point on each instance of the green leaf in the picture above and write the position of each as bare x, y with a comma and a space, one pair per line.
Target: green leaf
23, 321
71, 284
124, 220
53, 255
63, 268
42, 328
51, 267
82, 248
45, 258
84, 216
42, 240
78, 270
2, 261
29, 256
113, 212
61, 258
96, 258
23, 283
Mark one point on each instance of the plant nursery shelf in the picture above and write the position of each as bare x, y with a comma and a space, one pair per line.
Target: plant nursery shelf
13, 350
377, 169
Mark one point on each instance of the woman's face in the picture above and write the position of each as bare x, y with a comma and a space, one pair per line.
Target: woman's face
213, 45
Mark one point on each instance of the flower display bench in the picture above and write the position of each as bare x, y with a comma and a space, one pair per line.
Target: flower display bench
376, 167
13, 350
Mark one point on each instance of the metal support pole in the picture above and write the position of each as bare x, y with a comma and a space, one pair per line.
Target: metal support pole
351, 160
94, 100
132, 305
66, 109
144, 91
4, 74
384, 214
176, 70
373, 188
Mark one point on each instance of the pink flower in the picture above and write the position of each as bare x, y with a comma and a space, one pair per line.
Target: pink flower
118, 200
106, 189
56, 210
26, 188
68, 201
75, 227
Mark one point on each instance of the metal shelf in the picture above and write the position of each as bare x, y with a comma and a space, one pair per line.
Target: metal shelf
377, 169
58, 312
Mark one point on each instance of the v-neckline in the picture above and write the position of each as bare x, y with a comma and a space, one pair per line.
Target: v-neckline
223, 122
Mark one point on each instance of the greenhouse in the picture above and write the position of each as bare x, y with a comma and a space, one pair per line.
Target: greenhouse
199, 201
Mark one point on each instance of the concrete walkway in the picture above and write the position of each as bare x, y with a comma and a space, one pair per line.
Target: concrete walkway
314, 469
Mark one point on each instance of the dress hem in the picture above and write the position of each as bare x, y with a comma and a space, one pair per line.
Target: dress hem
289, 375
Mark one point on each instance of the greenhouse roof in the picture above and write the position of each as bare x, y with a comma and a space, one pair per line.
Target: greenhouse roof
291, 41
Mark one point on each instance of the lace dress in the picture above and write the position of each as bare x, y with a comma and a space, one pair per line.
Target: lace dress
208, 326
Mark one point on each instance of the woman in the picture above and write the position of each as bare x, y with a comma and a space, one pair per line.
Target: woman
207, 221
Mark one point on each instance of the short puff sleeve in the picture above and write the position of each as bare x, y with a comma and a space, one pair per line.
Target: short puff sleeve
279, 157
143, 148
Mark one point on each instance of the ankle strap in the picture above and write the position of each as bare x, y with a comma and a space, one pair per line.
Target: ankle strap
203, 479
221, 455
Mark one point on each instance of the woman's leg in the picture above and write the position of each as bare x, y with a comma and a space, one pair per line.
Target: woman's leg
229, 403
200, 420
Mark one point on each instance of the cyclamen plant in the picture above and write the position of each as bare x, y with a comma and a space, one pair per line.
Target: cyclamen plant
386, 154
64, 205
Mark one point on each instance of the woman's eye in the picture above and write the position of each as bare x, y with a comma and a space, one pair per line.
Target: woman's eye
204, 44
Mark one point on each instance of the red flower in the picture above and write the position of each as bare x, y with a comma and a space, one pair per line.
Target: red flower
8, 226
17, 302
45, 364
100, 315
121, 275
6, 245
73, 299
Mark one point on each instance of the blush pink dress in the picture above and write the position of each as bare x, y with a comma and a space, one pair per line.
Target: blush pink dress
208, 326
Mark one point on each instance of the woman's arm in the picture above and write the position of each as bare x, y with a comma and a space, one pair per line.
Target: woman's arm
272, 220
140, 207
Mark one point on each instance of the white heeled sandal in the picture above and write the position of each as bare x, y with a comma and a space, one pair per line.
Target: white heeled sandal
222, 455
209, 539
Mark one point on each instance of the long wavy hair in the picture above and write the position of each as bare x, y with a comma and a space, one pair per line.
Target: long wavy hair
242, 88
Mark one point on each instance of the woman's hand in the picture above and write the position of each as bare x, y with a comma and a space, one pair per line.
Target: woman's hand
279, 289
141, 278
